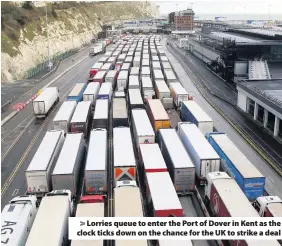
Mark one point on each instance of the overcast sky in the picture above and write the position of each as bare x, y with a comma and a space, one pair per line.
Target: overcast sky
223, 6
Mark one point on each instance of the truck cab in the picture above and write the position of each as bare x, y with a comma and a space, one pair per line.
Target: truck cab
263, 204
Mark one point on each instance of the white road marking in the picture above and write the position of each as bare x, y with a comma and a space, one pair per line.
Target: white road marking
271, 179
16, 191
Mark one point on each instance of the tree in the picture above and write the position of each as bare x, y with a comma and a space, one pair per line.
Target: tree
28, 5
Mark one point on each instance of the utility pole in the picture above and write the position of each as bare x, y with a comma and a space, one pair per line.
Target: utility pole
50, 65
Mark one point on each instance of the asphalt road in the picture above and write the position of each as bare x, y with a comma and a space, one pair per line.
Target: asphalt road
22, 135
273, 181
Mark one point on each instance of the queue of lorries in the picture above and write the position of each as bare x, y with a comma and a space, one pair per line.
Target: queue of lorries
133, 86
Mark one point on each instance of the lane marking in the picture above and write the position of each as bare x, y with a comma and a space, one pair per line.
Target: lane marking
15, 192
16, 140
271, 180
21, 161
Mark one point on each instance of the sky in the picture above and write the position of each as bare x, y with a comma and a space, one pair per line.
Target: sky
223, 6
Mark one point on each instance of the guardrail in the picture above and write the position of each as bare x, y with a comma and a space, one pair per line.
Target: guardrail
5, 106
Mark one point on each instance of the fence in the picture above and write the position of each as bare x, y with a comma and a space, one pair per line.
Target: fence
55, 59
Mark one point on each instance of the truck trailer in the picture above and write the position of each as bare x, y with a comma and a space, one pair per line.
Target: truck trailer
135, 71
95, 173
50, 226
135, 99
111, 77
38, 173
63, 117
45, 102
65, 175
91, 92
94, 69
161, 196
142, 129
120, 117
157, 114
100, 77
81, 117
178, 93
77, 92
170, 76
190, 111
122, 80
101, 114
236, 164
124, 158
105, 91
147, 88
163, 93
133, 82
180, 166
158, 74
203, 155
226, 199
17, 218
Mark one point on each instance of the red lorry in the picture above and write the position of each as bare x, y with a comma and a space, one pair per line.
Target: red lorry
94, 69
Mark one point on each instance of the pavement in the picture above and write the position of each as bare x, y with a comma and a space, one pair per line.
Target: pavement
273, 181
22, 135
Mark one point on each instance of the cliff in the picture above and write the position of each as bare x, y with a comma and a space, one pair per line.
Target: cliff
70, 25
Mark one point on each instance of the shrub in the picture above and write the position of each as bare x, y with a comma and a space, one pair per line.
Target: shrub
28, 5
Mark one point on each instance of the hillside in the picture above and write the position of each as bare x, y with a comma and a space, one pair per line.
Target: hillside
70, 24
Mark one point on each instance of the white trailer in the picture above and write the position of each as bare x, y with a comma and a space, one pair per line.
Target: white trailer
158, 74
38, 173
111, 77
170, 76
147, 88
95, 181
145, 72
180, 166
166, 66
107, 66
155, 58
163, 58
17, 218
156, 65
125, 66
203, 155
146, 63
50, 226
142, 128
190, 111
122, 80
45, 101
133, 82
105, 91
123, 208
101, 114
124, 158
135, 71
91, 92
66, 172
137, 61
163, 93
97, 48
178, 93
135, 99
62, 119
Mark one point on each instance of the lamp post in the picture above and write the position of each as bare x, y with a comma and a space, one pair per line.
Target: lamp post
50, 65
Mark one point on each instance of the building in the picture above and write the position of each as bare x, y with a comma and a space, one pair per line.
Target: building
184, 20
171, 17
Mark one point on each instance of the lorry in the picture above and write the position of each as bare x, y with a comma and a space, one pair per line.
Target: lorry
159, 188
97, 49
226, 199
158, 74
103, 60
155, 58
94, 69
126, 67
76, 93
81, 117
38, 173
145, 71
146, 63
147, 88
203, 155
157, 114
163, 58
151, 160
135, 99
91, 92
101, 114
166, 66
190, 111
120, 117
135, 71
170, 76
90, 206
236, 164
178, 93
105, 91
133, 82
47, 99
107, 66
180, 166
50, 226
95, 173
163, 93
124, 158
17, 218
111, 77
100, 77
156, 65
123, 208
65, 175
63, 117
143, 132
269, 206
136, 61
122, 80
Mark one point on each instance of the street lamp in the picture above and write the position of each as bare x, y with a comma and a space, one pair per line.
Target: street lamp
50, 65
269, 12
